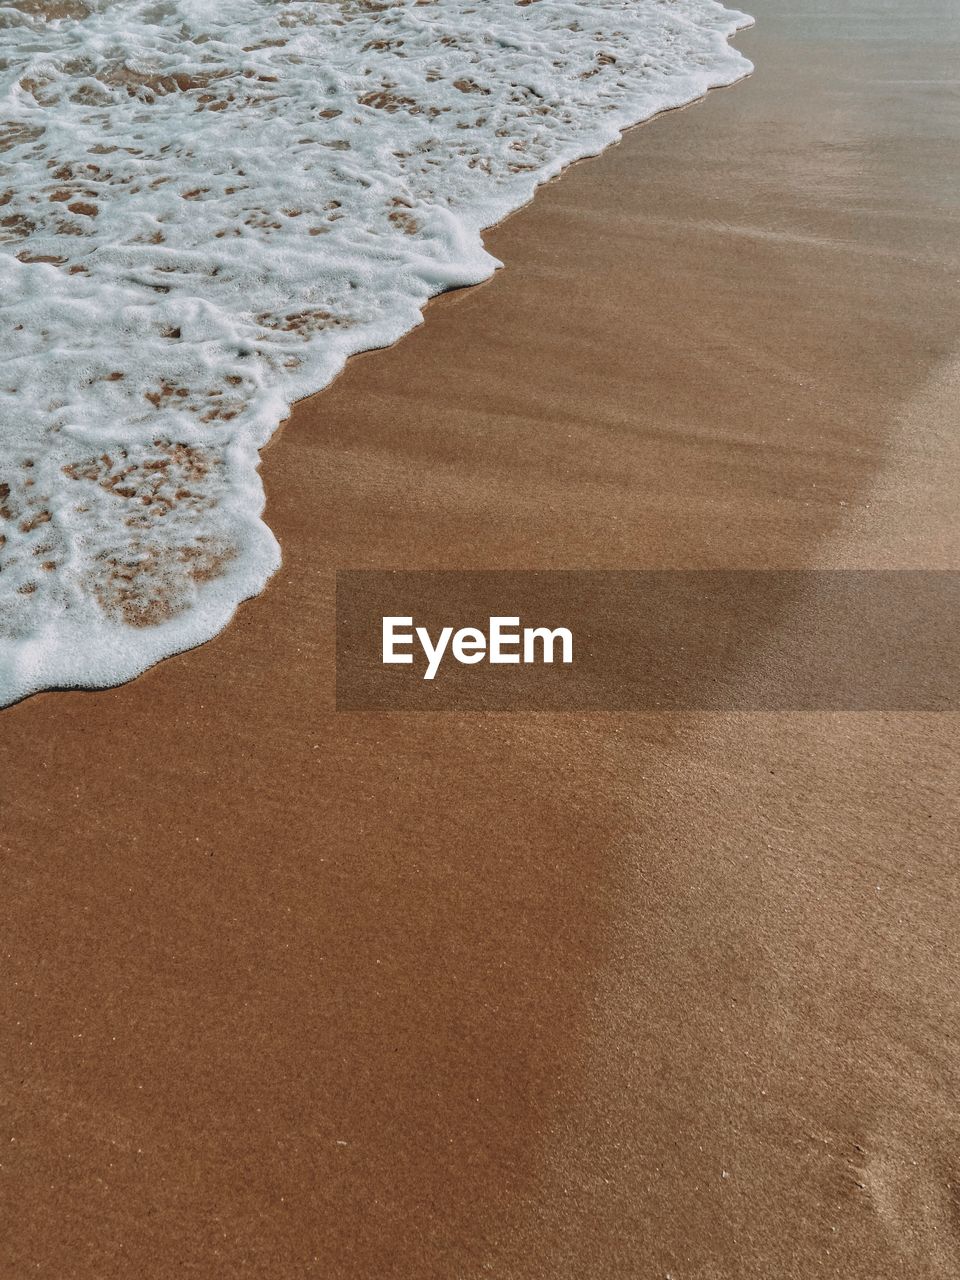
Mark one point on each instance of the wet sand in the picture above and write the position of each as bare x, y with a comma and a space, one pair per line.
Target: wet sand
289, 992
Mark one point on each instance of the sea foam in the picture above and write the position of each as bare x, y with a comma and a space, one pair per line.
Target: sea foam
205, 208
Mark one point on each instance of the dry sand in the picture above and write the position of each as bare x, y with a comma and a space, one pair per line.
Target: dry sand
290, 993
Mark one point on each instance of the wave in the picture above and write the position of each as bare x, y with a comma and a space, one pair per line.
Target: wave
205, 209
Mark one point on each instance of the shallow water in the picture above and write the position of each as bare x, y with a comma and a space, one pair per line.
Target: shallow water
204, 210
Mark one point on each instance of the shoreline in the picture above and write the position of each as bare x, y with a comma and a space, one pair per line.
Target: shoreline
540, 996
373, 351
80, 649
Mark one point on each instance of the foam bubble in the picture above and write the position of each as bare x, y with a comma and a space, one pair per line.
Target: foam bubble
204, 210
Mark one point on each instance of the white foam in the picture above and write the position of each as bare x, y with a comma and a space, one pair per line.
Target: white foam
232, 198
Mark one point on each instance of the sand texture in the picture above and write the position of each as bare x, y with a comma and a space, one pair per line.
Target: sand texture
288, 992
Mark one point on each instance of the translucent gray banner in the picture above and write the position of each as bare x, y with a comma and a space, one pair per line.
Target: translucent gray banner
596, 640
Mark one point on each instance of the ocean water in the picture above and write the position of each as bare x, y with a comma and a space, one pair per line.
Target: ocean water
206, 206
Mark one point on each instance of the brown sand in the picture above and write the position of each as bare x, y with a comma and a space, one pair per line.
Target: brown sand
292, 993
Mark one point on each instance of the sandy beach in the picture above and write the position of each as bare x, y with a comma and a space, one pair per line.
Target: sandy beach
293, 992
